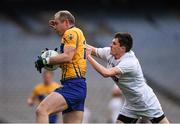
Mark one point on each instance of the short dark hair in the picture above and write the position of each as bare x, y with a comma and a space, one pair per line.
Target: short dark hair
125, 39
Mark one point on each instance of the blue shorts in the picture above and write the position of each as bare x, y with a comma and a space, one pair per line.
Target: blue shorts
53, 118
74, 91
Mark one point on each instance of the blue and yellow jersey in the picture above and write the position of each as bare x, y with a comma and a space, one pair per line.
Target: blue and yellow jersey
42, 90
74, 37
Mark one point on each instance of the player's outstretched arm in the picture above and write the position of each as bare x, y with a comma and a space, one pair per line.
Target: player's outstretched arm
105, 72
31, 100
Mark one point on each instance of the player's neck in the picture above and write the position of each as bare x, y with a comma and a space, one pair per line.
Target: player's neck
67, 28
71, 26
118, 56
47, 83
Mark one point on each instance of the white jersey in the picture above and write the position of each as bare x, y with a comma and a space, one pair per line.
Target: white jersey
140, 99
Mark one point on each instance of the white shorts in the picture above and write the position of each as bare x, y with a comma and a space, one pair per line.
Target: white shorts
148, 113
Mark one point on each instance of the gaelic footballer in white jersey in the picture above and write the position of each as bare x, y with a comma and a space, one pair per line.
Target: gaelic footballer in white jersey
139, 96
125, 70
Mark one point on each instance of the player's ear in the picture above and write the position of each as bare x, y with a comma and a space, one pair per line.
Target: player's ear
123, 48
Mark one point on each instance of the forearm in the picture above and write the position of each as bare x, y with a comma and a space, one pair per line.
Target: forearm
67, 56
61, 58
99, 68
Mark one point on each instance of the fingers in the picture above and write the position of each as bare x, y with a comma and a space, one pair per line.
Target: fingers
39, 69
52, 23
37, 66
88, 51
42, 51
46, 49
88, 48
55, 49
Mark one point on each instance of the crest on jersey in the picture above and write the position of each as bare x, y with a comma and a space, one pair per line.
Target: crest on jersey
70, 36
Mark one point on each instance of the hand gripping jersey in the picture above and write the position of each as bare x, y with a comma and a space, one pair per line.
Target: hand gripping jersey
74, 37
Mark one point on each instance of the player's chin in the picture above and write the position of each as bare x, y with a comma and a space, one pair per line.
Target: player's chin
113, 54
56, 31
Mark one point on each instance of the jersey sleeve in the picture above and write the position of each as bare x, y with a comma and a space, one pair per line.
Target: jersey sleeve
57, 85
102, 52
126, 65
70, 38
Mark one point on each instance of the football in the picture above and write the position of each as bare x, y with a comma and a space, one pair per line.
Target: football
50, 53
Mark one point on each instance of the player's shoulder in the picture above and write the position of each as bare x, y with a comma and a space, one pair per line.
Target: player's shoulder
56, 84
107, 48
39, 86
129, 59
129, 55
73, 31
